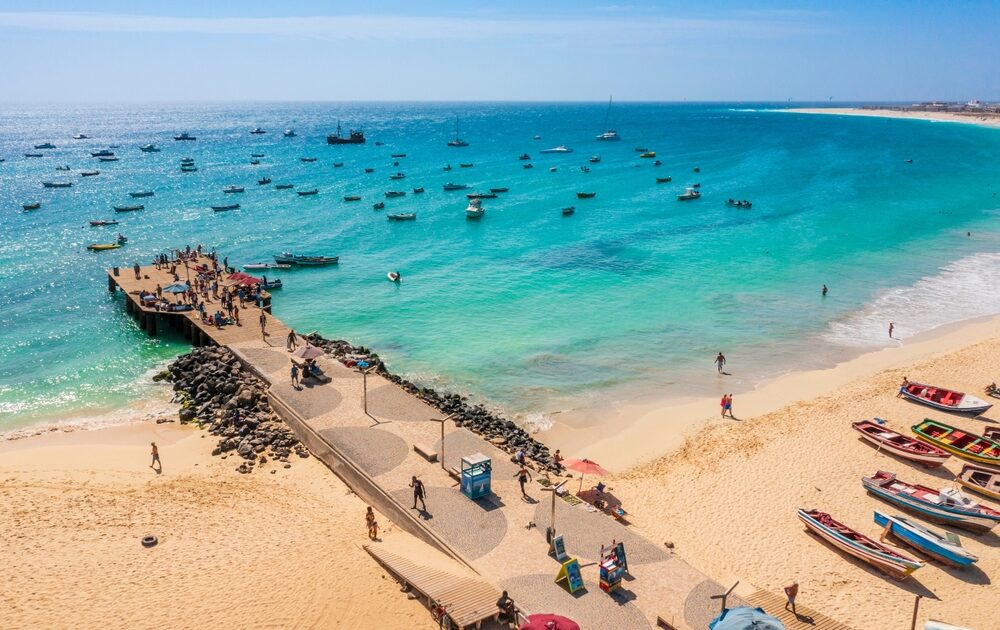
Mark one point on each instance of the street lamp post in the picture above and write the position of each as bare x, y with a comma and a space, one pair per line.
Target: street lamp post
552, 519
441, 421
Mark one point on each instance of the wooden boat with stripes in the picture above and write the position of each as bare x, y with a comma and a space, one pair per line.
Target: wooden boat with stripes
901, 445
945, 548
966, 445
886, 560
943, 399
949, 506
981, 479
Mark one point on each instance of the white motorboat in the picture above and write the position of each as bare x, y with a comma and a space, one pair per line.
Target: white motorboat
558, 149
475, 209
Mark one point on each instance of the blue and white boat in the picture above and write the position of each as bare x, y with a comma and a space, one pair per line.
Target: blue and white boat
856, 544
946, 547
947, 506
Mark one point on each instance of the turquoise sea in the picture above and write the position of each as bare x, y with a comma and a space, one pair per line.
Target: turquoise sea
527, 309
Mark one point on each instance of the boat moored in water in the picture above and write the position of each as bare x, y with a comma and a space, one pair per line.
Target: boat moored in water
149, 148
57, 184
688, 194
31, 206
288, 258
586, 195
89, 173
289, 133
140, 194
225, 208
135, 208
558, 149
185, 136
353, 137
403, 216
47, 145
475, 209
451, 186
307, 193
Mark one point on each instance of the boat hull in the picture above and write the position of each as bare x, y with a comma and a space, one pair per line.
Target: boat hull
923, 542
896, 567
966, 404
958, 442
981, 479
925, 454
933, 513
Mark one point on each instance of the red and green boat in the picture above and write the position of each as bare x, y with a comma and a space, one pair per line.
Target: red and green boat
966, 445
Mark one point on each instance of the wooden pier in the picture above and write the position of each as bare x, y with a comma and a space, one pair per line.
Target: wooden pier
189, 323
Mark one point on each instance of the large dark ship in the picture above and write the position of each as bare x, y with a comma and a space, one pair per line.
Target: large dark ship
353, 137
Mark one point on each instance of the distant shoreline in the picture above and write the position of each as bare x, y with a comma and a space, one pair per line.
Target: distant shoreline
983, 120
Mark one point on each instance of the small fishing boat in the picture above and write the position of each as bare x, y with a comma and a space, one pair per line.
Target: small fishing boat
697, 169
257, 131
688, 194
641, 149
475, 209
558, 149
594, 159
586, 195
135, 208
31, 206
296, 259
736, 203
398, 155
552, 169
524, 156
337, 164
149, 148
102, 153
369, 170
80, 136
568, 210
404, 216
308, 159
109, 158
140, 194
284, 186
948, 506
648, 154
100, 223
271, 285
858, 545
89, 173
901, 445
187, 160
352, 198
379, 143
353, 137
229, 190
398, 176
391, 194
306, 193
33, 155
447, 167
47, 145
465, 165
254, 162
185, 136
62, 168
289, 133
536, 137
451, 186
583, 169
263, 181
189, 169
265, 265
943, 399
981, 479
57, 184
232, 206
663, 180
480, 195
417, 191
658, 163
528, 165
378, 205
957, 442
946, 547
256, 155
100, 247
499, 190
393, 276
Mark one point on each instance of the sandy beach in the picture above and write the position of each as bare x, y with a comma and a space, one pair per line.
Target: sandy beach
985, 120
804, 454
235, 551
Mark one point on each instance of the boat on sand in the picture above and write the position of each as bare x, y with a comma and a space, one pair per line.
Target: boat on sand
946, 547
901, 445
943, 399
970, 446
948, 506
981, 479
854, 543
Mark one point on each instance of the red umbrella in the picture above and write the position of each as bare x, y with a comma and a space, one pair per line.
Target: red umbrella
242, 278
584, 467
548, 622
308, 352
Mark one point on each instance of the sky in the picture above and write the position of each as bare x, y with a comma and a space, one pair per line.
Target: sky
549, 50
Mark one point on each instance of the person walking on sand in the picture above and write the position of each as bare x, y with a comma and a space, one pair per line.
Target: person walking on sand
791, 592
372, 524
728, 407
722, 406
418, 493
156, 457
263, 325
720, 361
892, 327
523, 477
295, 375
236, 314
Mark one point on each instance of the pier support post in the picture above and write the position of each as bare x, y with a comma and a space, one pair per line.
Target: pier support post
151, 324
128, 305
186, 327
111, 284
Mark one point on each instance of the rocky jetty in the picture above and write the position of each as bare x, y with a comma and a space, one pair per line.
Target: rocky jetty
215, 391
499, 431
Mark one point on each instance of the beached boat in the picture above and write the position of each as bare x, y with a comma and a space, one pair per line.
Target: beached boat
80, 136
307, 193
451, 186
140, 194
308, 159
992, 433
288, 258
688, 194
946, 547
608, 134
47, 145
57, 184
33, 155
417, 191
568, 210
901, 445
352, 198
648, 154
233, 189
185, 136
586, 195
475, 209
31, 206
398, 176
403, 216
257, 131
266, 265
966, 445
129, 208
558, 149
100, 223
499, 190
981, 479
263, 181
149, 148
524, 156
948, 506
353, 137
858, 545
284, 186
100, 247
663, 180
232, 206
391, 194
943, 399
89, 173
289, 133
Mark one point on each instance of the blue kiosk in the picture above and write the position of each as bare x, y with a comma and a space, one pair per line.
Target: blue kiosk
476, 473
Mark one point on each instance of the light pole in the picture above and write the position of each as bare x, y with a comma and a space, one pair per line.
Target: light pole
552, 519
441, 421
364, 367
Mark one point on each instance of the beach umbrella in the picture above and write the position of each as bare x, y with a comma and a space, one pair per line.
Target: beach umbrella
745, 618
176, 287
548, 622
308, 352
584, 467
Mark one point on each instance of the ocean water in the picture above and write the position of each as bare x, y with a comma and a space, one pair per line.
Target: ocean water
526, 309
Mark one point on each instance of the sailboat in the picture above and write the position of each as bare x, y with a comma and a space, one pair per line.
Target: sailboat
457, 142
608, 134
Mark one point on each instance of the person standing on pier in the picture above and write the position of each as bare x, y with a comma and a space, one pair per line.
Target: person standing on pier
295, 375
290, 342
263, 325
135, 268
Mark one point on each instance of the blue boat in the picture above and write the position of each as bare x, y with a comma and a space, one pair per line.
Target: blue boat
946, 548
